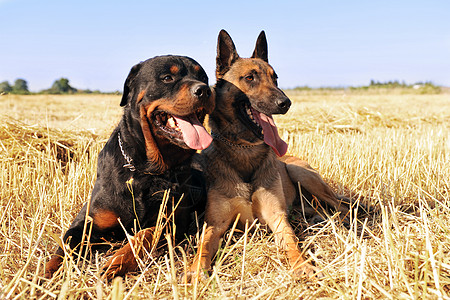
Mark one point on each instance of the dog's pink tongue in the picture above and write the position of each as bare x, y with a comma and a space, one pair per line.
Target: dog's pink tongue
271, 136
194, 134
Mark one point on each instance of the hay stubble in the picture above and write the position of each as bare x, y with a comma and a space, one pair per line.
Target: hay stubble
391, 150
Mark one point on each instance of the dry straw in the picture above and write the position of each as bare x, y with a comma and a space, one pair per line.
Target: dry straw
390, 151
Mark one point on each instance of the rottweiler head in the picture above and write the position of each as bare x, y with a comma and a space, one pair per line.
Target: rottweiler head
169, 96
250, 86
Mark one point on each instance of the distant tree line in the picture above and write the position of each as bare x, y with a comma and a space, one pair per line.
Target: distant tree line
20, 87
425, 87
60, 86
397, 84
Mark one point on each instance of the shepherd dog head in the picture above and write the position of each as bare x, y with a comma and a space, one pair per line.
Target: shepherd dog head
247, 90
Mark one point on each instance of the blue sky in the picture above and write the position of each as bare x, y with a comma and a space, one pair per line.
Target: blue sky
314, 43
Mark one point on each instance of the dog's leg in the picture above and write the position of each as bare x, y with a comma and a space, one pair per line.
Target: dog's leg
220, 213
207, 249
124, 259
102, 221
54, 263
74, 236
300, 171
272, 210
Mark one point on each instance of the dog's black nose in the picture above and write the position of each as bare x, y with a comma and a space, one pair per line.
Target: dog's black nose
283, 104
201, 90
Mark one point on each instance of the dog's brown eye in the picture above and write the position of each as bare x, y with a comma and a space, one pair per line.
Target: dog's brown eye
249, 77
167, 79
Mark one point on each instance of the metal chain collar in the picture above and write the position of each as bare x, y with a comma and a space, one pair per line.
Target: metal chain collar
229, 143
129, 160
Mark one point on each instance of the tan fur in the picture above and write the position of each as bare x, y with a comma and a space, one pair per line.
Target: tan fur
104, 219
124, 260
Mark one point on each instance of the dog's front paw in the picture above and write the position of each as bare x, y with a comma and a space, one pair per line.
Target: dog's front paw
52, 266
193, 276
122, 262
308, 271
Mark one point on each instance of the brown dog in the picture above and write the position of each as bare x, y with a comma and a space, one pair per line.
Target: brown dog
244, 175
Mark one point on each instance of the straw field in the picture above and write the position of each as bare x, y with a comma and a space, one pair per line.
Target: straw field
387, 149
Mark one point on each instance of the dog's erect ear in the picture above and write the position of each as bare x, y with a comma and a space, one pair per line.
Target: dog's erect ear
261, 48
127, 93
226, 53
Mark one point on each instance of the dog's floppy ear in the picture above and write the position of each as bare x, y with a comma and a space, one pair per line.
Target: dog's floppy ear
127, 92
226, 53
261, 48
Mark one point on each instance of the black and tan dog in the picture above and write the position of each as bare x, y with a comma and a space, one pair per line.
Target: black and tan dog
243, 172
165, 100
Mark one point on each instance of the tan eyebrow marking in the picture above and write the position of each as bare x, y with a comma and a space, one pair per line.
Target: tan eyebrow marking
141, 95
174, 69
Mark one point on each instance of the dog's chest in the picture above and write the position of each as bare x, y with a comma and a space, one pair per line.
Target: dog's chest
183, 183
249, 203
247, 170
244, 190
